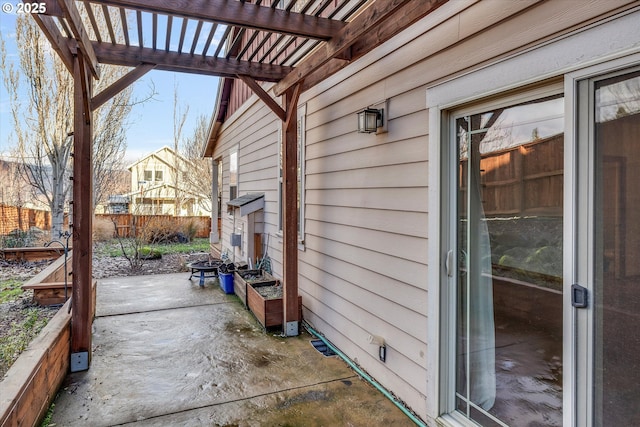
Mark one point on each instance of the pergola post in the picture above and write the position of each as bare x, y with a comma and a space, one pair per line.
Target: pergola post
290, 213
81, 317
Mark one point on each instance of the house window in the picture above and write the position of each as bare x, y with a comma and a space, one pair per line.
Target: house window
158, 176
148, 175
301, 132
233, 174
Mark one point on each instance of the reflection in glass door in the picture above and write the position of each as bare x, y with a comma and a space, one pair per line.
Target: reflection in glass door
617, 251
509, 244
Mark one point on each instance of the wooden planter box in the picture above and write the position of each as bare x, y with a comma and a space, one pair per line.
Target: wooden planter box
243, 278
269, 312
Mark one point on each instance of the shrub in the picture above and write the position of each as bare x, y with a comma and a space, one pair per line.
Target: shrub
147, 253
190, 228
103, 230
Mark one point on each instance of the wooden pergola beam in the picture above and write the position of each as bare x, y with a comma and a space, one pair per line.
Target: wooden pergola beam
370, 40
376, 37
131, 56
55, 37
119, 85
374, 26
241, 14
80, 33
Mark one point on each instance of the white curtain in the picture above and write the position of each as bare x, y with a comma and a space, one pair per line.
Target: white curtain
480, 322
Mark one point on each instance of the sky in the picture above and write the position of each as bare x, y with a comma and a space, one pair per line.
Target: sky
151, 123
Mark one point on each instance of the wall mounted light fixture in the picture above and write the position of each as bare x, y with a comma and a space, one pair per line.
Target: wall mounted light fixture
370, 119
374, 118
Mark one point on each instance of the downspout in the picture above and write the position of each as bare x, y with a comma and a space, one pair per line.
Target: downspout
367, 377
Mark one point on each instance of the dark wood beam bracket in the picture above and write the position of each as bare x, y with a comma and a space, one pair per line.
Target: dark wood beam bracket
264, 96
292, 104
80, 33
119, 85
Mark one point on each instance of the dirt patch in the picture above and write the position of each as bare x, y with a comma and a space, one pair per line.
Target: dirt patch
20, 318
269, 291
106, 266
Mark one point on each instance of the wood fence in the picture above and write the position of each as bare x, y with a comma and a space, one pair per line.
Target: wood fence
18, 218
523, 180
128, 225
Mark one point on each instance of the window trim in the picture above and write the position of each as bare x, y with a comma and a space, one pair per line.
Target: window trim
442, 225
578, 86
302, 132
234, 150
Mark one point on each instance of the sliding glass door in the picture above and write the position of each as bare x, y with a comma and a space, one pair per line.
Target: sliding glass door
608, 262
509, 245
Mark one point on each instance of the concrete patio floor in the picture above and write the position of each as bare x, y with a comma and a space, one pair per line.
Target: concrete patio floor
170, 353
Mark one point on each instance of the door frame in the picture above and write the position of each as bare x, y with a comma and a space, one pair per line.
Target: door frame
580, 205
522, 71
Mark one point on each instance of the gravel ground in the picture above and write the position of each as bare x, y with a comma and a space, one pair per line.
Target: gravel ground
120, 267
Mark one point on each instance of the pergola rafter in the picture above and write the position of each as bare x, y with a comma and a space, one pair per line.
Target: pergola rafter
131, 56
294, 44
299, 38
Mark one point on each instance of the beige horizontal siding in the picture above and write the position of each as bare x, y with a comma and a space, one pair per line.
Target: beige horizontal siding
397, 199
364, 265
392, 222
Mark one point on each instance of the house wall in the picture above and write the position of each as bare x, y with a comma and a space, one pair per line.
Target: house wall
157, 195
160, 161
364, 266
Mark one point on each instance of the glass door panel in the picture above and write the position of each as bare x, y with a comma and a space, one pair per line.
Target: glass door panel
509, 244
617, 251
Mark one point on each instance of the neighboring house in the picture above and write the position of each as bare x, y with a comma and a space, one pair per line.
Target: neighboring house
158, 186
119, 183
503, 174
117, 205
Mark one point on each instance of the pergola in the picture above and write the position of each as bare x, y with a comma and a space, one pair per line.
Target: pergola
292, 43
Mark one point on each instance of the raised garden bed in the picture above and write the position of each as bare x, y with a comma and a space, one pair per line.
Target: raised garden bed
251, 277
265, 302
31, 254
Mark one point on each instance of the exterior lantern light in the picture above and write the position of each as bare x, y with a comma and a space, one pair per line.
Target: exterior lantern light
369, 120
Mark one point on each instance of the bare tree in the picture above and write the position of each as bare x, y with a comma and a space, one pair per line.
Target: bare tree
43, 120
109, 142
200, 181
179, 117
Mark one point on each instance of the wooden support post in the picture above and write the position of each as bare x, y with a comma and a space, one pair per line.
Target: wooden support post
290, 213
81, 317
